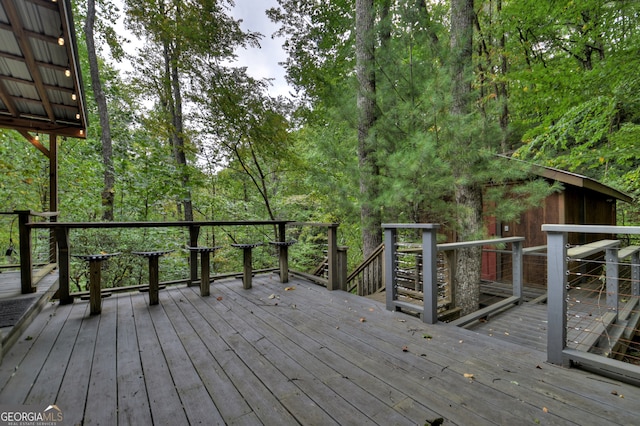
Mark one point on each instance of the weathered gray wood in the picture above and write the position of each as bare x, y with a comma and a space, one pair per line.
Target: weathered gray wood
133, 404
95, 296
557, 296
303, 356
102, 394
589, 249
460, 322
194, 397
164, 401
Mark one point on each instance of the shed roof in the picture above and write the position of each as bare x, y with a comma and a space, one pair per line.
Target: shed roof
40, 81
573, 179
581, 182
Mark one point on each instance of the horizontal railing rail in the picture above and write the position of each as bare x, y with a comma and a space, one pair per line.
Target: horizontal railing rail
273, 241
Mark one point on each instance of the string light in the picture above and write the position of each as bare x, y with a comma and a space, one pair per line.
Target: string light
61, 41
73, 97
77, 116
37, 137
67, 72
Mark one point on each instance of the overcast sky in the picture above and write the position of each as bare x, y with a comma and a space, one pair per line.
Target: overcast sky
260, 63
263, 62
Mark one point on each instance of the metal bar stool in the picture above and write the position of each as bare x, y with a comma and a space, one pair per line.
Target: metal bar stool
246, 256
283, 256
205, 275
154, 272
95, 268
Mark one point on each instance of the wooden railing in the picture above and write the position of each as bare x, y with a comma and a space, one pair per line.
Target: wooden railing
428, 252
368, 277
62, 231
577, 279
47, 254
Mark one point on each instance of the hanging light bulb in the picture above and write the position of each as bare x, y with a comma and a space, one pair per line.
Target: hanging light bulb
61, 41
73, 97
77, 116
37, 137
67, 72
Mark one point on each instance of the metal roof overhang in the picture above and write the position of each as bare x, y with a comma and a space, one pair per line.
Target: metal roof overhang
40, 80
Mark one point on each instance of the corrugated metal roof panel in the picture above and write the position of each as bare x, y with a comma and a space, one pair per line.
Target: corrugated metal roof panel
38, 75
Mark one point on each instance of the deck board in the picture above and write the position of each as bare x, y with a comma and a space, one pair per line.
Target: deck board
301, 357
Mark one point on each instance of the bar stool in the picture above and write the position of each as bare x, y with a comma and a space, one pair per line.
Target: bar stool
205, 275
246, 257
95, 267
283, 256
154, 272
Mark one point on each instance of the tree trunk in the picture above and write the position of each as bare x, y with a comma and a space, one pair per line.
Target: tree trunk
108, 192
468, 195
365, 62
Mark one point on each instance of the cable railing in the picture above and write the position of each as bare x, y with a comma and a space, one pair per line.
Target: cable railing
593, 301
424, 271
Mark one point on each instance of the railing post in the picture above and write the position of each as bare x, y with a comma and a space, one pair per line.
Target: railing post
390, 273
194, 232
62, 237
342, 268
283, 253
635, 274
611, 258
26, 262
517, 272
430, 276
332, 256
557, 296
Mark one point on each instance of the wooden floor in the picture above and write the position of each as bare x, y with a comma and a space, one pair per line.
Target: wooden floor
289, 354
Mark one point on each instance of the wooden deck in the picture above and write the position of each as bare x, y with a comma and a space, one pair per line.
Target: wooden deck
274, 356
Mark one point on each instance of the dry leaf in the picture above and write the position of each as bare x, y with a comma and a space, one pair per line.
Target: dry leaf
614, 392
371, 309
545, 409
219, 298
289, 288
468, 376
273, 296
363, 319
405, 349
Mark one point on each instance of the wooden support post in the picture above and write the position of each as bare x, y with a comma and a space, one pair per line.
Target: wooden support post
517, 269
26, 262
430, 275
635, 274
194, 232
95, 296
283, 254
611, 258
557, 296
332, 256
205, 274
390, 274
248, 270
342, 268
154, 280
53, 190
62, 237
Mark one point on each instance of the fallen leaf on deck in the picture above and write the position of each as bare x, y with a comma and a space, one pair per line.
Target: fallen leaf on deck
219, 298
371, 309
545, 409
469, 376
461, 341
272, 296
363, 319
401, 320
614, 392
289, 288
405, 349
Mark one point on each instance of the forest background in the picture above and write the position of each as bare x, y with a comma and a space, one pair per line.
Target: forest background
400, 111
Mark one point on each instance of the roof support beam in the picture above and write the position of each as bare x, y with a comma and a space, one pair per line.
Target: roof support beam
35, 142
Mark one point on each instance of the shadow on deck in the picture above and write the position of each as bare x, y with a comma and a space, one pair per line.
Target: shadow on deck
306, 355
